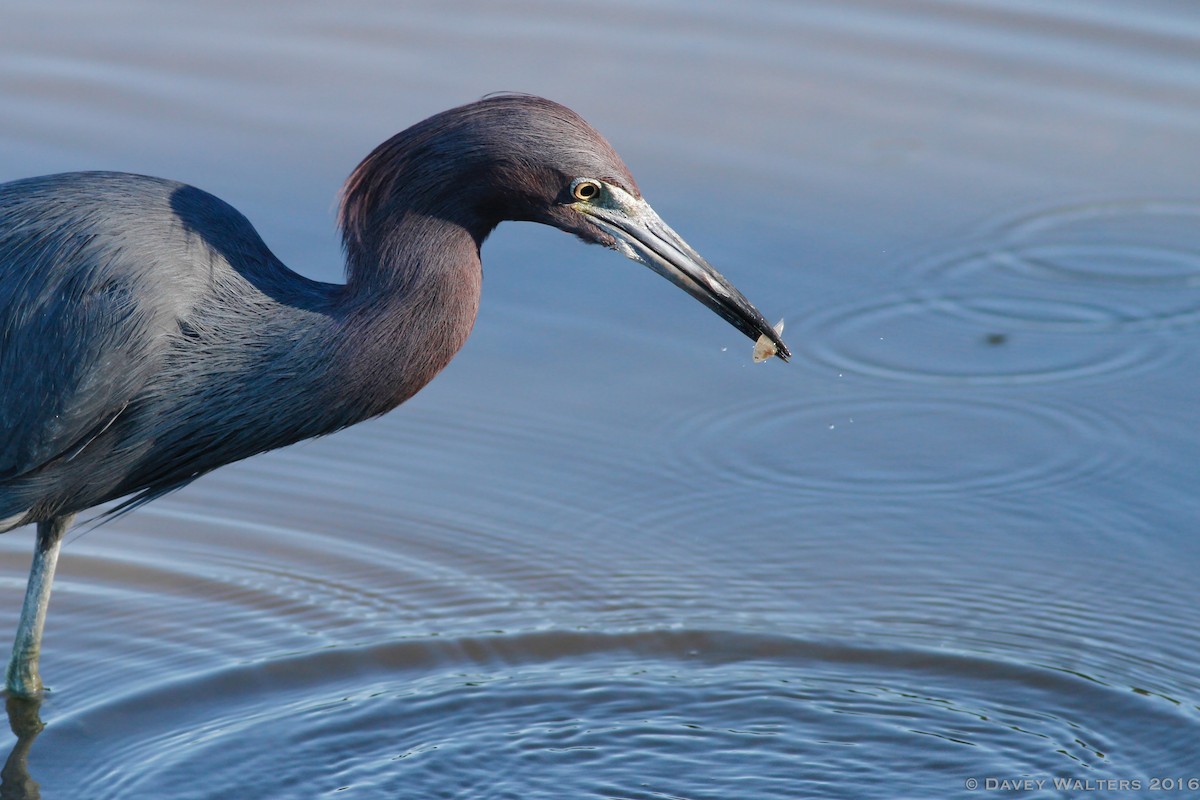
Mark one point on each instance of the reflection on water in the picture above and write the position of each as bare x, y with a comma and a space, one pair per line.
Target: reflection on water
26, 724
604, 555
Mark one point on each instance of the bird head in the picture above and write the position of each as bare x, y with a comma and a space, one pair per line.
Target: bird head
520, 157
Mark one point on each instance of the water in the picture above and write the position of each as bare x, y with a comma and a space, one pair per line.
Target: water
604, 555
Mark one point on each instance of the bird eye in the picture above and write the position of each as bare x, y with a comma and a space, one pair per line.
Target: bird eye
585, 189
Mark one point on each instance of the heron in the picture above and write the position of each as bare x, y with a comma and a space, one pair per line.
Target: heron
148, 335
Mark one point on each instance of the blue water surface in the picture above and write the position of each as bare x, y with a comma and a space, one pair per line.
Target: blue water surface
952, 544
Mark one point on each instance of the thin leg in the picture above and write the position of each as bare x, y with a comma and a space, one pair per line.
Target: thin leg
22, 679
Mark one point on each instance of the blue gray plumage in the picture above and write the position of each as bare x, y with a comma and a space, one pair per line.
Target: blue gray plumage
148, 335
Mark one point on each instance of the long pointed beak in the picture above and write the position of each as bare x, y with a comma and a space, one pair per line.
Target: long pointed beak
641, 235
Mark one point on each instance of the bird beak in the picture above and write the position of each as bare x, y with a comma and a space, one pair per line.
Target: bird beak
641, 235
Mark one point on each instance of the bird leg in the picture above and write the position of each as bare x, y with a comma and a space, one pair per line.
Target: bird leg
22, 679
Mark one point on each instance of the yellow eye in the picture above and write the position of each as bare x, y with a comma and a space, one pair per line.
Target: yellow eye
585, 189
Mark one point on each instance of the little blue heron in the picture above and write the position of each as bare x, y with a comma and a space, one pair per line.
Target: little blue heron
148, 336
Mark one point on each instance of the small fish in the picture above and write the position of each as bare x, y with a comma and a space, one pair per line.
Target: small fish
764, 348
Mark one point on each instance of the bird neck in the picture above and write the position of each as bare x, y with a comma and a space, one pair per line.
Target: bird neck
409, 304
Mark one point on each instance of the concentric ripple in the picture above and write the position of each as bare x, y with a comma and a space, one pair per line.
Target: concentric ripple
1070, 293
1138, 242
896, 446
979, 338
1143, 256
652, 714
1148, 242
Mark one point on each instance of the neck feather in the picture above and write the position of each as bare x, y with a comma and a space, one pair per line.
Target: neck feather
410, 302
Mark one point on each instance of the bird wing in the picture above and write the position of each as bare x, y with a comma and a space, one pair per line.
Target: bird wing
77, 337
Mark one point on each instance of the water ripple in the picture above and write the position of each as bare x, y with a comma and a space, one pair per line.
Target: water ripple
1142, 256
896, 446
639, 714
1145, 242
980, 338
